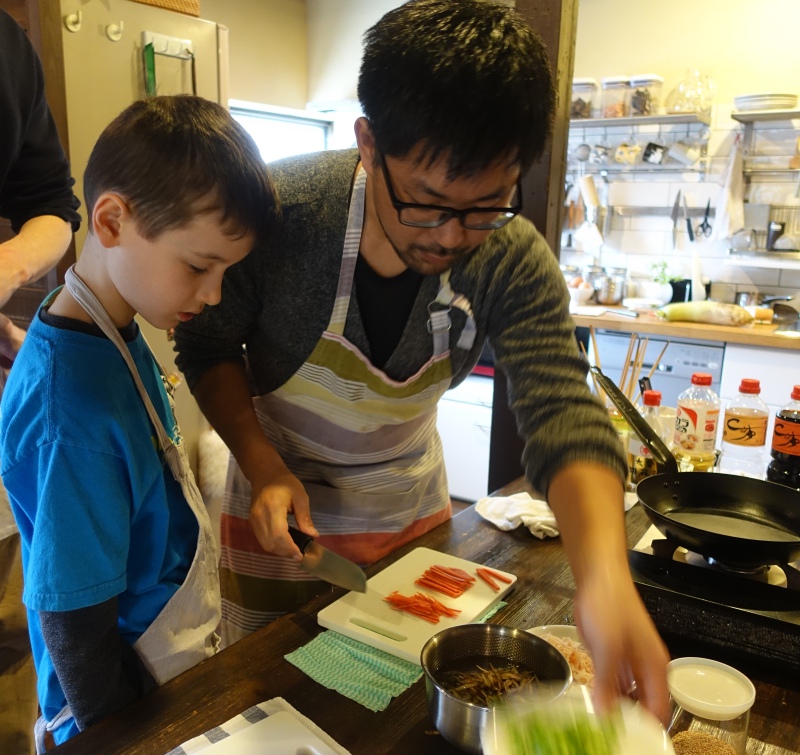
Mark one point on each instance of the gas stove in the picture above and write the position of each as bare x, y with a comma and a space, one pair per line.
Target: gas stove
751, 616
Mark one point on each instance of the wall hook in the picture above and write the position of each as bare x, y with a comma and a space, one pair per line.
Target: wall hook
114, 31
73, 21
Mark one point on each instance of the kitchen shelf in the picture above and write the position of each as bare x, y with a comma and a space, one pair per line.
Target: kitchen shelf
764, 259
643, 120
752, 116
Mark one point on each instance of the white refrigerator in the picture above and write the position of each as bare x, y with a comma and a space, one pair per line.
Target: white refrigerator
104, 72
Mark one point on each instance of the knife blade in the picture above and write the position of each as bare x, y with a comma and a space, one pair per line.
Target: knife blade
676, 208
689, 228
327, 565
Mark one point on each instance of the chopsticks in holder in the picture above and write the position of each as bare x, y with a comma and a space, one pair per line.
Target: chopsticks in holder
654, 367
623, 378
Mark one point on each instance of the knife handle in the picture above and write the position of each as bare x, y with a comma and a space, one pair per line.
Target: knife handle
689, 229
301, 540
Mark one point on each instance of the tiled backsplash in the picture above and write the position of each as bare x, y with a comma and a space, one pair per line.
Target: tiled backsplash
637, 242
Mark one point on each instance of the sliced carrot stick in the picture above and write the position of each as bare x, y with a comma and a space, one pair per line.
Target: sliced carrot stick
497, 575
486, 577
421, 605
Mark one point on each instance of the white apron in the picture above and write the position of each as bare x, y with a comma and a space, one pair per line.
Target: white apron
184, 632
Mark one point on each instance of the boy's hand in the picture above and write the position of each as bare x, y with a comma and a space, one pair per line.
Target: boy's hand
271, 503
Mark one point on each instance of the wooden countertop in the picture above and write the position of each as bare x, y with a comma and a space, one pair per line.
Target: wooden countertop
754, 334
254, 670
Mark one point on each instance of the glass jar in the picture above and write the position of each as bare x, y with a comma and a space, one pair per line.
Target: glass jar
616, 98
646, 94
711, 704
570, 272
584, 93
591, 273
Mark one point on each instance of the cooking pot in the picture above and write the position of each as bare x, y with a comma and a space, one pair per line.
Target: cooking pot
755, 299
739, 521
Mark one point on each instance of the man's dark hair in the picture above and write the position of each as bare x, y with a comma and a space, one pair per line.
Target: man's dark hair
468, 79
173, 157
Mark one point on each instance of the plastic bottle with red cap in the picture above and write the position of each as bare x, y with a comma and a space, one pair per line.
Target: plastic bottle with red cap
641, 463
744, 432
694, 440
785, 465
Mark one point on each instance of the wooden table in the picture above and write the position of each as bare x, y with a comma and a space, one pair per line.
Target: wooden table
254, 670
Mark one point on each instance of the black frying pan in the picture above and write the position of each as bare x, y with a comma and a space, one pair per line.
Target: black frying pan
737, 520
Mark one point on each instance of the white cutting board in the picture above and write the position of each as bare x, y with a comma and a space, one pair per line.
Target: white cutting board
279, 734
368, 618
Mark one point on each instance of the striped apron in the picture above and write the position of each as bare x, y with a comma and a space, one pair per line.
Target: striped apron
364, 446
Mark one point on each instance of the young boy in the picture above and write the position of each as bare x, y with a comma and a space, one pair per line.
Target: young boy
120, 565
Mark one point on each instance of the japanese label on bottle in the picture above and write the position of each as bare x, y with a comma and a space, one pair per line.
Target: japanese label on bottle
786, 437
696, 429
748, 429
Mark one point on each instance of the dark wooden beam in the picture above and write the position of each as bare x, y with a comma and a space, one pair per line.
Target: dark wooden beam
556, 21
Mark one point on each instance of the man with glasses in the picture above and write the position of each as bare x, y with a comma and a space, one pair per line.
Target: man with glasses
393, 266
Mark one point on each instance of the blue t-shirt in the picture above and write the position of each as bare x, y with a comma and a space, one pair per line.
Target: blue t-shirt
99, 512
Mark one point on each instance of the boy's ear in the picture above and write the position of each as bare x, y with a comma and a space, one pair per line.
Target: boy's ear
109, 213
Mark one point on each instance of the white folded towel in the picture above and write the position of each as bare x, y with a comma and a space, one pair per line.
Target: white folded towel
509, 512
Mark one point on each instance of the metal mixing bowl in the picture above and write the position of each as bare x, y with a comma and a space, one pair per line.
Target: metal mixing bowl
457, 648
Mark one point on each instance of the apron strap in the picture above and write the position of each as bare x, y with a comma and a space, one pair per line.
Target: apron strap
42, 727
352, 243
90, 303
439, 317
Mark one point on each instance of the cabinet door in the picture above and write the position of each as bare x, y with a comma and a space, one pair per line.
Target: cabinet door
465, 430
465, 424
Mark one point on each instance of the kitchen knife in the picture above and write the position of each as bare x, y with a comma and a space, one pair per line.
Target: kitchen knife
676, 208
689, 228
327, 565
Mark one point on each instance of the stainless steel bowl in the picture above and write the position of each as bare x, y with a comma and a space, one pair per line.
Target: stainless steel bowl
462, 647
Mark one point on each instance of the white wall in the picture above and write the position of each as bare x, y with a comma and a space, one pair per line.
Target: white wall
335, 30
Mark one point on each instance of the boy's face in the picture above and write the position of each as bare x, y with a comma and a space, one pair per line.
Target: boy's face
171, 278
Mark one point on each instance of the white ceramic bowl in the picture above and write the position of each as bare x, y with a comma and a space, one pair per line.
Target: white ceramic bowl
580, 296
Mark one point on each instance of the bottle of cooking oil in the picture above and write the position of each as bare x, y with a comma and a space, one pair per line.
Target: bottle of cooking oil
641, 463
696, 426
744, 432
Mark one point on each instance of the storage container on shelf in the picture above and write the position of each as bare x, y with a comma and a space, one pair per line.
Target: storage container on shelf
584, 95
616, 96
646, 94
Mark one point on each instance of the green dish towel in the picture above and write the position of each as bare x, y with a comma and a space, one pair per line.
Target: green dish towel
365, 674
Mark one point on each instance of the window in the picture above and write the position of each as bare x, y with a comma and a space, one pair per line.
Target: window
281, 132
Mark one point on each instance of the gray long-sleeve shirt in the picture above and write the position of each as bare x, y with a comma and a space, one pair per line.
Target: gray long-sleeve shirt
277, 302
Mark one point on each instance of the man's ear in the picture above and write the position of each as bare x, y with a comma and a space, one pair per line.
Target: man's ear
110, 211
366, 144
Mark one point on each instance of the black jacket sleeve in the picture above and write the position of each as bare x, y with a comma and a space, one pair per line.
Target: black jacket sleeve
98, 670
35, 176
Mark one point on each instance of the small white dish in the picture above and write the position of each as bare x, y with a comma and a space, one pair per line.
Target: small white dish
562, 631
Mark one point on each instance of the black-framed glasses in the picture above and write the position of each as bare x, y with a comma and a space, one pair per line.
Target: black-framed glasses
433, 216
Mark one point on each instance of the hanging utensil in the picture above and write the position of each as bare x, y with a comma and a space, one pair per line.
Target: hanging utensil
689, 228
704, 228
676, 209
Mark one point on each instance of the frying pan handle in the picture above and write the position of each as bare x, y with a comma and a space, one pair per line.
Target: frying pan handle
662, 456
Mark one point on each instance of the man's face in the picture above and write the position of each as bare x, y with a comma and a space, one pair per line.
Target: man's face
431, 251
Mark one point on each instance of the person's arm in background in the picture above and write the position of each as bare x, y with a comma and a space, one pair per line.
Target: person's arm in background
35, 180
39, 245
